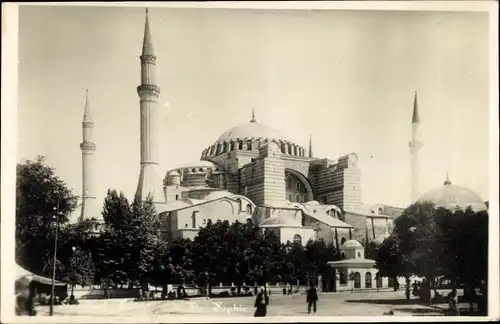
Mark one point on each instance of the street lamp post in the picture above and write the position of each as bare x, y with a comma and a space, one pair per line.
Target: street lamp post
56, 217
72, 266
206, 283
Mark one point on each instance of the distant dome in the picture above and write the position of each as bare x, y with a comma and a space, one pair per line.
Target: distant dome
173, 174
451, 197
351, 244
280, 221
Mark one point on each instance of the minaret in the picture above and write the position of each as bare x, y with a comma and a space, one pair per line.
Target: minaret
415, 146
88, 147
253, 116
150, 183
310, 146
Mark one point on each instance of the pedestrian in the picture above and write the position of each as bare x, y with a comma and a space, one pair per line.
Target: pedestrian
312, 298
453, 301
261, 303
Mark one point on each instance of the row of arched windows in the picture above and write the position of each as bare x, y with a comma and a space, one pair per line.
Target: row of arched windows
297, 197
249, 145
368, 280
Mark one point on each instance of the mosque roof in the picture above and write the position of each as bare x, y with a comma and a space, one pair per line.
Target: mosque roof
201, 163
218, 194
174, 205
451, 196
280, 221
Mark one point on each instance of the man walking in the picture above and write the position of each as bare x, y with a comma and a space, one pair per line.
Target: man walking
312, 298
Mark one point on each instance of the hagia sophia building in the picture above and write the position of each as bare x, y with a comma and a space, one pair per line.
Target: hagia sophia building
253, 172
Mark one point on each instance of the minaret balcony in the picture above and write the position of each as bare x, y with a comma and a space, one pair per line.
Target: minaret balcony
148, 88
148, 59
87, 146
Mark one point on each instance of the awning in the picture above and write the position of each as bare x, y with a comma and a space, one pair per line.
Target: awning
24, 277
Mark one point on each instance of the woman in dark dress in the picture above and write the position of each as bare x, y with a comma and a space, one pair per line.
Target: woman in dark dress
261, 303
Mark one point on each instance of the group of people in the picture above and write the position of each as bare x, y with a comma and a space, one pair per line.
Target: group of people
262, 300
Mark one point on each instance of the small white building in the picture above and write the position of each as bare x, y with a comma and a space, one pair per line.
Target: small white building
355, 272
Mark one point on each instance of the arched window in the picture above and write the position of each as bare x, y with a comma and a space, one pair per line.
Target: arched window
176, 197
342, 255
343, 276
297, 198
343, 240
379, 282
297, 185
357, 280
231, 146
249, 209
297, 239
240, 203
380, 211
219, 148
368, 280
282, 146
193, 219
290, 197
249, 145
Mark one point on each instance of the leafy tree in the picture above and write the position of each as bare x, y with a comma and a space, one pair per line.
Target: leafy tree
81, 269
40, 195
131, 243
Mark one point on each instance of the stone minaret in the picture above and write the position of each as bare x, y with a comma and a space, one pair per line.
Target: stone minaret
88, 147
310, 146
415, 146
150, 183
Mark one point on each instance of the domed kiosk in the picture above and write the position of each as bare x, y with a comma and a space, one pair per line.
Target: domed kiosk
355, 272
454, 197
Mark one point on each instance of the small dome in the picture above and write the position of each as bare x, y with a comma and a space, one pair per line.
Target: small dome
451, 196
351, 244
280, 221
174, 174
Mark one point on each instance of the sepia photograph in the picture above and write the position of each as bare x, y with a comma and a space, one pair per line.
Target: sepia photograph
217, 162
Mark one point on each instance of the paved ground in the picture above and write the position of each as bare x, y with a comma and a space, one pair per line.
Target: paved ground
332, 304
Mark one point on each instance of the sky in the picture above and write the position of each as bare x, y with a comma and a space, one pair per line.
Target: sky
347, 77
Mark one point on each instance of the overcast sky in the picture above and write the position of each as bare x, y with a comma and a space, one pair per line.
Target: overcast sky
348, 77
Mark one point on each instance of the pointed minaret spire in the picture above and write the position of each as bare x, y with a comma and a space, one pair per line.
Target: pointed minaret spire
253, 116
90, 208
310, 146
147, 46
415, 145
149, 183
416, 118
447, 181
87, 117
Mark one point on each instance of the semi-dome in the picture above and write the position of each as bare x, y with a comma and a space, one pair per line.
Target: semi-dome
280, 221
452, 197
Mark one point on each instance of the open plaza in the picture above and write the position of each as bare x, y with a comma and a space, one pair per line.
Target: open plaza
366, 303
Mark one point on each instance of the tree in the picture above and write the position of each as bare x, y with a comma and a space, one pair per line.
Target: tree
40, 195
131, 243
81, 269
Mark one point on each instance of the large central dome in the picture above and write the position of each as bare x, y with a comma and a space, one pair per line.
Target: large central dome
249, 137
251, 130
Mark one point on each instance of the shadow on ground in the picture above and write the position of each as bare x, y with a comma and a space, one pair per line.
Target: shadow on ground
416, 311
384, 301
